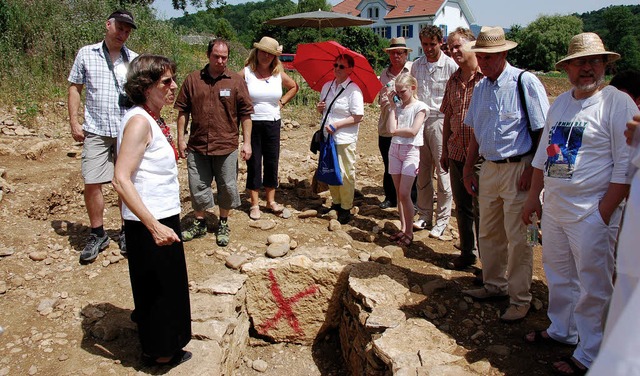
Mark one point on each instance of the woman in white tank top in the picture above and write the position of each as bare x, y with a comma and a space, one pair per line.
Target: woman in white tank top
265, 80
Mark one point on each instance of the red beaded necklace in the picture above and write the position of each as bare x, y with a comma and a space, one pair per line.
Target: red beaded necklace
166, 131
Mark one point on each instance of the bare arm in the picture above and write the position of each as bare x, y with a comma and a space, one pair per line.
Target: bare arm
415, 127
246, 137
292, 89
73, 105
468, 176
135, 139
183, 119
353, 119
611, 199
533, 204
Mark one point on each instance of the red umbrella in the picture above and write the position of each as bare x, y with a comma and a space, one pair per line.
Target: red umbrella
314, 61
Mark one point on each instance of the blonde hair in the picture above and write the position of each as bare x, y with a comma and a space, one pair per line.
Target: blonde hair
408, 79
252, 63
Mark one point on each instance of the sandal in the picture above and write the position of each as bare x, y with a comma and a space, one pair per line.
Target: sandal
576, 370
275, 207
396, 236
179, 357
540, 339
404, 240
254, 212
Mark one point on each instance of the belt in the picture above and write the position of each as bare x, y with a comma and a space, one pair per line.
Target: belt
513, 159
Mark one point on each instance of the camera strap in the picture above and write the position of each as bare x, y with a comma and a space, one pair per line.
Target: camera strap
107, 57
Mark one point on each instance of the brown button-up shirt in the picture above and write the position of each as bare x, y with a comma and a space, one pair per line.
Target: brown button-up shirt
216, 106
455, 104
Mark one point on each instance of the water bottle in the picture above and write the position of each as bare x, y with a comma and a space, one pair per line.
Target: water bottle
532, 230
396, 98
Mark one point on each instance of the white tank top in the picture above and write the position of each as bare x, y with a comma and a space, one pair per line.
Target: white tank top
265, 95
156, 178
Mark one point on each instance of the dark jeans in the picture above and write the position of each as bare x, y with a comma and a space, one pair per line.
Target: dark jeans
384, 143
265, 146
466, 209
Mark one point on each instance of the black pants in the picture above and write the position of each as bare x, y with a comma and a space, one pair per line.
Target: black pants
160, 289
265, 153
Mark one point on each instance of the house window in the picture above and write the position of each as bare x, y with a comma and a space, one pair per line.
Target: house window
382, 32
374, 12
409, 9
405, 31
444, 29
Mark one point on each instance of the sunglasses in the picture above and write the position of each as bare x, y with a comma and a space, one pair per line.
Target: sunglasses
167, 81
340, 66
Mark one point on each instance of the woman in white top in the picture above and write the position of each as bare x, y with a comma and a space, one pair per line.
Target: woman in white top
405, 123
146, 178
265, 79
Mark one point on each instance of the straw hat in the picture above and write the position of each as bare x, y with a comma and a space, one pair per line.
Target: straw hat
269, 45
490, 40
398, 44
587, 44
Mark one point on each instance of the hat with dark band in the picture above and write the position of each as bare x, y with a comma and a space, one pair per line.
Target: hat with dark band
398, 44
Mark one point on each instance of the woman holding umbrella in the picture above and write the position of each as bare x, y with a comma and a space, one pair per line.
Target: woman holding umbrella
265, 79
342, 105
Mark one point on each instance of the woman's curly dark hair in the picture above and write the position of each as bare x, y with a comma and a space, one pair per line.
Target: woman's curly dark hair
144, 71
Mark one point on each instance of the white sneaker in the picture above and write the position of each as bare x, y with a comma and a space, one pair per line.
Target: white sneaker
437, 231
422, 224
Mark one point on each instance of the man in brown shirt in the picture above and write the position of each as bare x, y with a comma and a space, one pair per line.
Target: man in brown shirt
217, 100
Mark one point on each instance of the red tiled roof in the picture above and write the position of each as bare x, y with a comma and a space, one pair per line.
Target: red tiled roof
420, 8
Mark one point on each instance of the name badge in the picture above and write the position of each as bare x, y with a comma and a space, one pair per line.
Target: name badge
225, 92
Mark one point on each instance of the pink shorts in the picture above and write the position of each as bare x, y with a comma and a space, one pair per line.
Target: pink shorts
404, 159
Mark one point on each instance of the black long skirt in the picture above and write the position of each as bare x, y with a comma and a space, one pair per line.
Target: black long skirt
160, 290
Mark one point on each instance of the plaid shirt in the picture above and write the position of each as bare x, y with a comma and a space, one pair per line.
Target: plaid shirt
432, 79
102, 114
455, 103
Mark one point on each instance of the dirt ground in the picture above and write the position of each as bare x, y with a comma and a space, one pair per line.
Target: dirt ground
48, 301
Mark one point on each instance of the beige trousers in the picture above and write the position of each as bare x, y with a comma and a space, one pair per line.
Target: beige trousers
343, 194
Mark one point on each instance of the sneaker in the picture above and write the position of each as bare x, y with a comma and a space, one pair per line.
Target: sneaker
122, 243
344, 216
484, 294
198, 229
437, 231
222, 234
461, 263
515, 312
95, 245
422, 224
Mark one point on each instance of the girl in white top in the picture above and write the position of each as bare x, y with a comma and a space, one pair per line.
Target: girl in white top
265, 79
405, 123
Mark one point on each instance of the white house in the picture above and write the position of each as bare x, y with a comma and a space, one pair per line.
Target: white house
405, 18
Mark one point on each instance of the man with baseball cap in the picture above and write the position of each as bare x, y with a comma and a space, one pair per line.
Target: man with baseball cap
504, 133
581, 163
398, 53
102, 67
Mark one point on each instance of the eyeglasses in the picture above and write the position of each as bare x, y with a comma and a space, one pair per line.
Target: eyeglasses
593, 61
340, 66
167, 81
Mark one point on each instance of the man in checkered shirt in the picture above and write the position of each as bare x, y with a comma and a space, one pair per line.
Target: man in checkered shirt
102, 67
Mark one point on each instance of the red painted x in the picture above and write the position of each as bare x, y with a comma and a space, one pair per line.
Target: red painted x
284, 306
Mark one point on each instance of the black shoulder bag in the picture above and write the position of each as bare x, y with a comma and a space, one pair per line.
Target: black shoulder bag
318, 137
532, 134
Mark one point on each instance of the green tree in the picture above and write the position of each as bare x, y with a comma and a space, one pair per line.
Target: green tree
629, 48
544, 41
313, 5
364, 41
209, 4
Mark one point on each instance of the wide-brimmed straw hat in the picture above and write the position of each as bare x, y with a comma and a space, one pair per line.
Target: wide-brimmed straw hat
490, 40
269, 45
398, 44
587, 44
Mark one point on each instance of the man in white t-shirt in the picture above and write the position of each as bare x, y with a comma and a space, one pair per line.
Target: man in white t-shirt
581, 162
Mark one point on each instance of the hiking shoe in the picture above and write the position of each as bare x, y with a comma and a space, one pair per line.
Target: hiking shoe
95, 245
122, 243
461, 263
197, 229
515, 312
422, 224
484, 294
344, 216
437, 231
222, 234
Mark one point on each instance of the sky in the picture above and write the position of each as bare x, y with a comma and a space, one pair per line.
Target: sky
487, 12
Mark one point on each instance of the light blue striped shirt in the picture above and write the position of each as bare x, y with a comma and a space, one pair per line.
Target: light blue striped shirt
102, 113
497, 117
